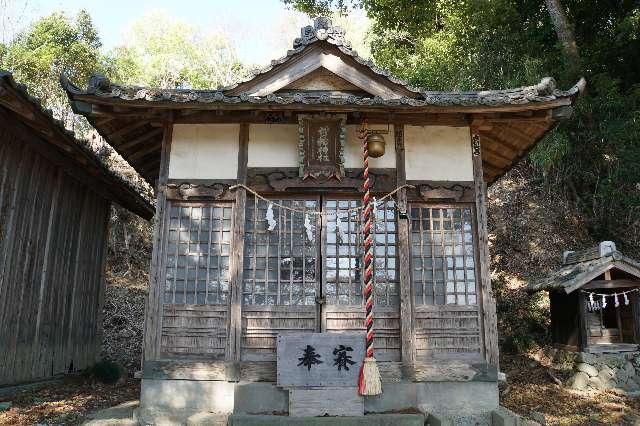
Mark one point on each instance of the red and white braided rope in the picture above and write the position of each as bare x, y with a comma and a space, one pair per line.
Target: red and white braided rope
367, 234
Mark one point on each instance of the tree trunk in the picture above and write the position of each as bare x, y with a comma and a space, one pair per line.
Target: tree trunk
565, 36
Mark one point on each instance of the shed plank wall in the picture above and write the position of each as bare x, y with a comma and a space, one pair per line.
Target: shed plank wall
52, 234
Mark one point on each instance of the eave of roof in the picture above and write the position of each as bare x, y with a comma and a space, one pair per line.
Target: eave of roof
127, 194
539, 96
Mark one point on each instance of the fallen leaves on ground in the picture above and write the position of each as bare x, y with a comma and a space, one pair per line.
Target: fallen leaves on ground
65, 403
530, 388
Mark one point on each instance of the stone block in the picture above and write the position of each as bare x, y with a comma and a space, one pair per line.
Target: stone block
207, 419
368, 420
589, 369
578, 381
595, 383
620, 375
632, 386
606, 373
630, 369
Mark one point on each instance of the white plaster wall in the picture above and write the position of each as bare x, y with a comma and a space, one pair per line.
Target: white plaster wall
438, 153
273, 145
276, 145
204, 151
353, 150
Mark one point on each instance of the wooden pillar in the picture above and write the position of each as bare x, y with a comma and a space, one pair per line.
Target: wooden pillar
237, 250
583, 336
153, 315
406, 300
488, 303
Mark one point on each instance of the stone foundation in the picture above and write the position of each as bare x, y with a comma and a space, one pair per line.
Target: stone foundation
176, 400
606, 371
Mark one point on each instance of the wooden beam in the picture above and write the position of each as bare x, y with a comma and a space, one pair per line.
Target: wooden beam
140, 139
126, 129
487, 302
517, 151
143, 151
612, 283
236, 269
407, 334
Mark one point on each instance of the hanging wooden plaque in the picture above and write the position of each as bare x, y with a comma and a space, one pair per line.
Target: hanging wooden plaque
321, 144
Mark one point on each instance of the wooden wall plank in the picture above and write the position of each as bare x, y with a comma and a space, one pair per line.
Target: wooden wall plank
48, 274
152, 324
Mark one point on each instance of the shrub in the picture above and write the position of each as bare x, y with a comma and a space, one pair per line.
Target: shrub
106, 371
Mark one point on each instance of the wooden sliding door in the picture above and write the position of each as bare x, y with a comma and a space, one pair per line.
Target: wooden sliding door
304, 275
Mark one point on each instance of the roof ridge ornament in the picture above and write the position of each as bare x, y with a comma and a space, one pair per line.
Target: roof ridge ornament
322, 29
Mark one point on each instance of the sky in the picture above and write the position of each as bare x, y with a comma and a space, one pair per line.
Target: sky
260, 30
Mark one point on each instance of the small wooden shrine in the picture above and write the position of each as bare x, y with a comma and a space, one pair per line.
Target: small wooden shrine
55, 198
259, 227
595, 300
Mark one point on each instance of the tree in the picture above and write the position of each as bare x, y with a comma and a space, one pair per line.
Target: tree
53, 45
162, 52
565, 35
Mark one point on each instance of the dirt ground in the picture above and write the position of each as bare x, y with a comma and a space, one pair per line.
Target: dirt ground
65, 403
532, 391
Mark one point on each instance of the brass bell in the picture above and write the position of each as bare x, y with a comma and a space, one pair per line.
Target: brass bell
375, 145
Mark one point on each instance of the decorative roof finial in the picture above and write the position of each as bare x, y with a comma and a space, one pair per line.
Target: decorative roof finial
322, 23
322, 29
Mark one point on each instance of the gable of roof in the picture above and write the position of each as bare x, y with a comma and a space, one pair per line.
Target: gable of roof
573, 276
323, 44
111, 184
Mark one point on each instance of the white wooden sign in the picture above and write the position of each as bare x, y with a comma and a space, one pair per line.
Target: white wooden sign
319, 359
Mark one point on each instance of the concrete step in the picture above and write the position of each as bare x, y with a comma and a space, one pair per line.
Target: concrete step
366, 420
452, 419
120, 415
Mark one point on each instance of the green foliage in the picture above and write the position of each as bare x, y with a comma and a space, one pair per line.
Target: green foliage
594, 158
53, 45
106, 371
162, 52
522, 318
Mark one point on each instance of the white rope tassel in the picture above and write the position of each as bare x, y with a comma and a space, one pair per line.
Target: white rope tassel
626, 299
371, 375
340, 225
269, 217
615, 300
308, 227
592, 303
604, 301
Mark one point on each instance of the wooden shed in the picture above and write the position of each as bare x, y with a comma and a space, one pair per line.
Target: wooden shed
595, 300
259, 224
55, 197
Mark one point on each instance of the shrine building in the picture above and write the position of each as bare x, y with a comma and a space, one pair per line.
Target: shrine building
594, 301
258, 237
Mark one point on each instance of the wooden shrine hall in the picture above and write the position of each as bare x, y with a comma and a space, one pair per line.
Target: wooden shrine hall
595, 300
259, 233
55, 198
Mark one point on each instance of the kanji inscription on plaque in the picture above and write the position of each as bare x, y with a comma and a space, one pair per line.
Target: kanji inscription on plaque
321, 145
319, 359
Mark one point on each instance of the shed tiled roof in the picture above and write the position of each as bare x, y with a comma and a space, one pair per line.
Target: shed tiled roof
133, 195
